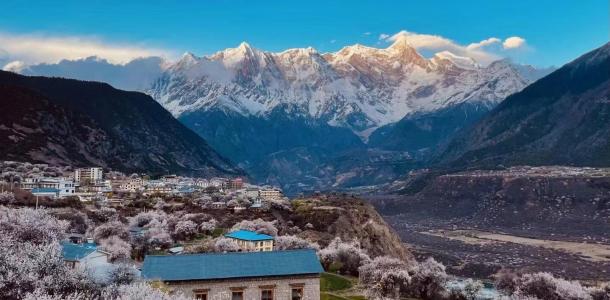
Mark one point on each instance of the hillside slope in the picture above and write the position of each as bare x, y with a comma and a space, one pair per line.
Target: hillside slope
60, 121
563, 118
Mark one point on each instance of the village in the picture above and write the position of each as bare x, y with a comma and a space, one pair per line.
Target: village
107, 235
91, 184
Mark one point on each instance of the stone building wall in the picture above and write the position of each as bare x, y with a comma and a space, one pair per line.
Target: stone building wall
252, 287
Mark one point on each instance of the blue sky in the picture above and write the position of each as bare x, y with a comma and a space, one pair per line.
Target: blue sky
554, 31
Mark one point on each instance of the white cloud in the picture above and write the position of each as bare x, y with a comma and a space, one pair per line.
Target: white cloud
483, 43
367, 33
439, 43
484, 52
513, 42
14, 66
35, 48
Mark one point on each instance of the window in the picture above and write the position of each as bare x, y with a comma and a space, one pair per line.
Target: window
297, 293
267, 295
237, 295
200, 294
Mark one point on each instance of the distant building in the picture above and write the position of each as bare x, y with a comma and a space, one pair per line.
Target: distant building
76, 255
45, 192
202, 183
271, 275
217, 182
219, 205
64, 187
257, 203
236, 183
86, 176
170, 179
101, 187
131, 185
252, 193
158, 189
270, 194
249, 241
184, 190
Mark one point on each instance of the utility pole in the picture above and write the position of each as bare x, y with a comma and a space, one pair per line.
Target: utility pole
36, 202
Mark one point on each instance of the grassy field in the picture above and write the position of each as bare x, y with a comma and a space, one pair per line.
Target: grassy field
338, 287
332, 282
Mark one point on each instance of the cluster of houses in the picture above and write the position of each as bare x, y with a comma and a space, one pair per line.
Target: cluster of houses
256, 271
91, 184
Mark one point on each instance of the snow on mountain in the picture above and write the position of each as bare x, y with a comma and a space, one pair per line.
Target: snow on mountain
357, 87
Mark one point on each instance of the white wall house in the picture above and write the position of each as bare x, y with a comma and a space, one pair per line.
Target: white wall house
64, 186
88, 175
250, 241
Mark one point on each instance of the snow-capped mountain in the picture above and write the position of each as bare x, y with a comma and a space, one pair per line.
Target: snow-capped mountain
308, 120
360, 88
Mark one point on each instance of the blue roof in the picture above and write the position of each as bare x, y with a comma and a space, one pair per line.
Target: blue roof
45, 190
74, 252
230, 265
247, 235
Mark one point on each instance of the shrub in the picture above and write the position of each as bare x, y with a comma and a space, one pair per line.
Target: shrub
290, 242
32, 226
7, 198
544, 286
117, 247
226, 245
429, 279
258, 225
349, 255
208, 226
390, 278
110, 229
185, 230
385, 278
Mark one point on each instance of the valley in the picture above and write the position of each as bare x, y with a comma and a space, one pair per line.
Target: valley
532, 219
319, 150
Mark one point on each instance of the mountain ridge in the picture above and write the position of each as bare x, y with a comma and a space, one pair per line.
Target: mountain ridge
568, 107
126, 131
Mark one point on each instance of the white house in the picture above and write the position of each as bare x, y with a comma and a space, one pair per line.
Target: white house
76, 255
88, 175
40, 186
250, 241
270, 193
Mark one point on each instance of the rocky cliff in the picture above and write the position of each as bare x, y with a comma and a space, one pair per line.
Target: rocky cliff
558, 201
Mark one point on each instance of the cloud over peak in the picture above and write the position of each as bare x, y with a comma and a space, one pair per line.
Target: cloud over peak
36, 48
484, 51
513, 42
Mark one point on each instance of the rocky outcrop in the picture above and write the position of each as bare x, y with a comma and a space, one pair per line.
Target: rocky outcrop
350, 219
557, 201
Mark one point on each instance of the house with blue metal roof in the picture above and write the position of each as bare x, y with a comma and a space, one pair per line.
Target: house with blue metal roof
251, 241
292, 274
45, 192
78, 254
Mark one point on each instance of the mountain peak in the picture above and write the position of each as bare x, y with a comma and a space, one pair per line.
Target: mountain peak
404, 51
244, 46
460, 61
188, 56
401, 43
